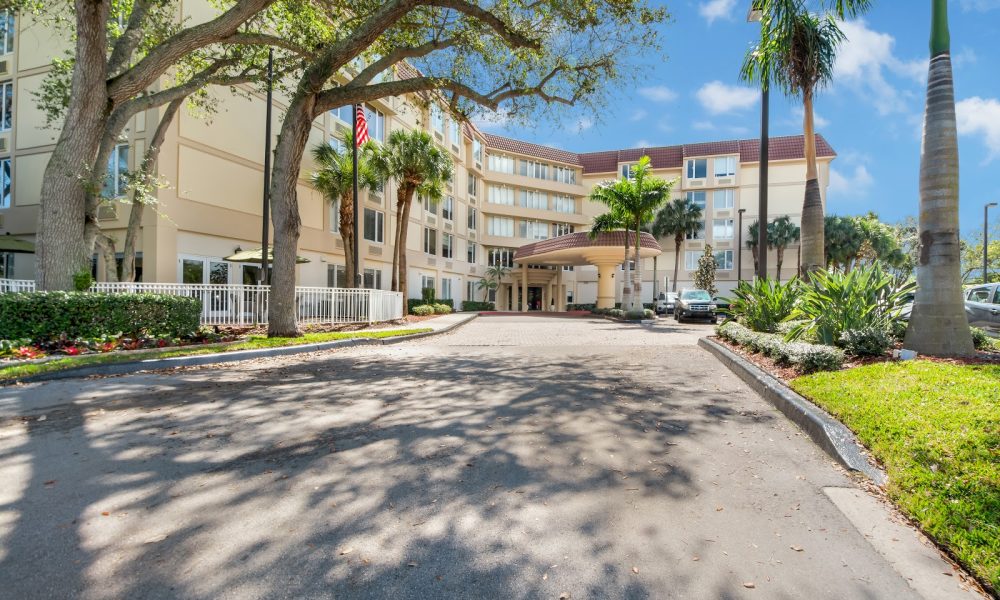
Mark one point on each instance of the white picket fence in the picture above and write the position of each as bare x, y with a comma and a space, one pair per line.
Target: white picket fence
233, 304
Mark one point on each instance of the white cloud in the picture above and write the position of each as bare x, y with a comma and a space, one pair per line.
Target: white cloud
658, 93
638, 115
852, 185
965, 56
717, 9
582, 124
981, 116
643, 144
491, 120
718, 98
703, 125
980, 5
863, 61
799, 113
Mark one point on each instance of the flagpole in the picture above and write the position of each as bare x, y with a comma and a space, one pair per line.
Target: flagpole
264, 279
357, 206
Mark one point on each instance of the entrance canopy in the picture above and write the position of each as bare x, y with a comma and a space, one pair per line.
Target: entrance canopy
579, 249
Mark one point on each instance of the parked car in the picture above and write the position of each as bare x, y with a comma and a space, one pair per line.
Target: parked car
665, 303
982, 306
695, 304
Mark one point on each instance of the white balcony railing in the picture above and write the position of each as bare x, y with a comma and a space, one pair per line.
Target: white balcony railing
232, 304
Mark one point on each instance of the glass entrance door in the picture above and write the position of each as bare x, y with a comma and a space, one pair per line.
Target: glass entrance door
534, 298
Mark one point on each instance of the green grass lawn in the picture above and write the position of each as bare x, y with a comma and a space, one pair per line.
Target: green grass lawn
936, 428
19, 371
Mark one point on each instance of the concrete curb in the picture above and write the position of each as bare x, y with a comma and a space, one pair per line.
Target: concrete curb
828, 433
155, 364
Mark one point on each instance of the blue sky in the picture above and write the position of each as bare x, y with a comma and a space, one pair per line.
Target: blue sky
872, 114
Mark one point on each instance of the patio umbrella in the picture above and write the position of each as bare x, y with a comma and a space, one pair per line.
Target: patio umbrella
253, 256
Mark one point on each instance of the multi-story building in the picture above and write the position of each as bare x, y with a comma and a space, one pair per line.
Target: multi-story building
505, 193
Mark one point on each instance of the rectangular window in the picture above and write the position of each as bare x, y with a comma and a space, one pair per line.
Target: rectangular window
724, 260
336, 276
447, 245
725, 167
533, 230
5, 197
6, 105
530, 168
376, 124
430, 240
534, 199
563, 174
501, 195
697, 168
429, 207
472, 218
7, 31
115, 179
374, 225
473, 185
501, 164
559, 229
477, 152
722, 229
427, 282
563, 204
437, 119
697, 235
698, 198
456, 133
501, 257
470, 290
500, 226
344, 114
471, 253
691, 259
627, 170
448, 208
372, 279
446, 288
723, 199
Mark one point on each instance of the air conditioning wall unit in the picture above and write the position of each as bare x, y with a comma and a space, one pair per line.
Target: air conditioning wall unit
4, 67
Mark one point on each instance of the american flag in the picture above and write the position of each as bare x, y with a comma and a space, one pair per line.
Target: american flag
361, 135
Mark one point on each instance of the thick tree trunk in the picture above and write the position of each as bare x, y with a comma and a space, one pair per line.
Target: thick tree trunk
347, 236
404, 223
61, 245
812, 206
401, 194
281, 319
637, 274
106, 245
678, 240
938, 325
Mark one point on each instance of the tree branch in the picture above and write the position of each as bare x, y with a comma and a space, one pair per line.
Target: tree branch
396, 56
262, 39
125, 45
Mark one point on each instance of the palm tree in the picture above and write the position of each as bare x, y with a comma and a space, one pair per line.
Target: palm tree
335, 180
781, 233
491, 279
679, 218
633, 203
419, 166
797, 51
753, 242
938, 325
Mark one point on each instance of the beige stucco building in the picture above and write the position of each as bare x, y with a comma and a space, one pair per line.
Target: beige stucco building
506, 193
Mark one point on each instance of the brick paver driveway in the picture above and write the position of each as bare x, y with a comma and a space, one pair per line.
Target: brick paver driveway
518, 457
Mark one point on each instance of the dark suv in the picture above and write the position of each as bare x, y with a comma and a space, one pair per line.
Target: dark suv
695, 304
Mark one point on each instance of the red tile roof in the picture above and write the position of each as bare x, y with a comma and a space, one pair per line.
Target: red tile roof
498, 142
581, 239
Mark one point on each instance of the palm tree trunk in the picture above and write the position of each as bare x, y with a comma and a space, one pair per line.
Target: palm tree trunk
812, 206
677, 259
626, 272
938, 325
401, 243
347, 236
779, 259
637, 274
401, 194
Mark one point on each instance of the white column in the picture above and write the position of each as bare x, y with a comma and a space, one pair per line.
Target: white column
524, 288
606, 285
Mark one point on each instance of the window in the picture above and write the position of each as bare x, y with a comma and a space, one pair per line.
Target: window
501, 257
697, 168
472, 218
471, 253
437, 119
473, 185
372, 279
115, 180
627, 170
725, 167
446, 289
447, 245
376, 124
429, 206
7, 31
722, 229
563, 174
559, 229
563, 204
5, 183
336, 276
981, 295
500, 226
338, 144
501, 164
501, 195
724, 260
430, 240
477, 151
697, 235
723, 199
448, 208
456, 133
530, 168
470, 290
374, 225
6, 105
698, 198
533, 230
343, 114
427, 282
534, 199
691, 259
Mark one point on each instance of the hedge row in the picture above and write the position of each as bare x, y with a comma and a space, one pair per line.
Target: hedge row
474, 306
805, 358
411, 302
48, 316
423, 310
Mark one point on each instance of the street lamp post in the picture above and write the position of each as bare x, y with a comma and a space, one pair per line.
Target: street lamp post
986, 241
739, 247
755, 15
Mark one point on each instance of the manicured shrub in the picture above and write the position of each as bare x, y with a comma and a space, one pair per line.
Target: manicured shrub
473, 306
981, 339
589, 307
411, 302
648, 313
422, 310
635, 315
870, 341
617, 313
805, 358
762, 304
47, 316
810, 358
427, 295
441, 309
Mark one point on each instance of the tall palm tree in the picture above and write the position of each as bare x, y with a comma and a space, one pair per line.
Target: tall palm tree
679, 218
938, 325
633, 203
491, 279
419, 166
335, 180
797, 51
781, 233
613, 220
753, 242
